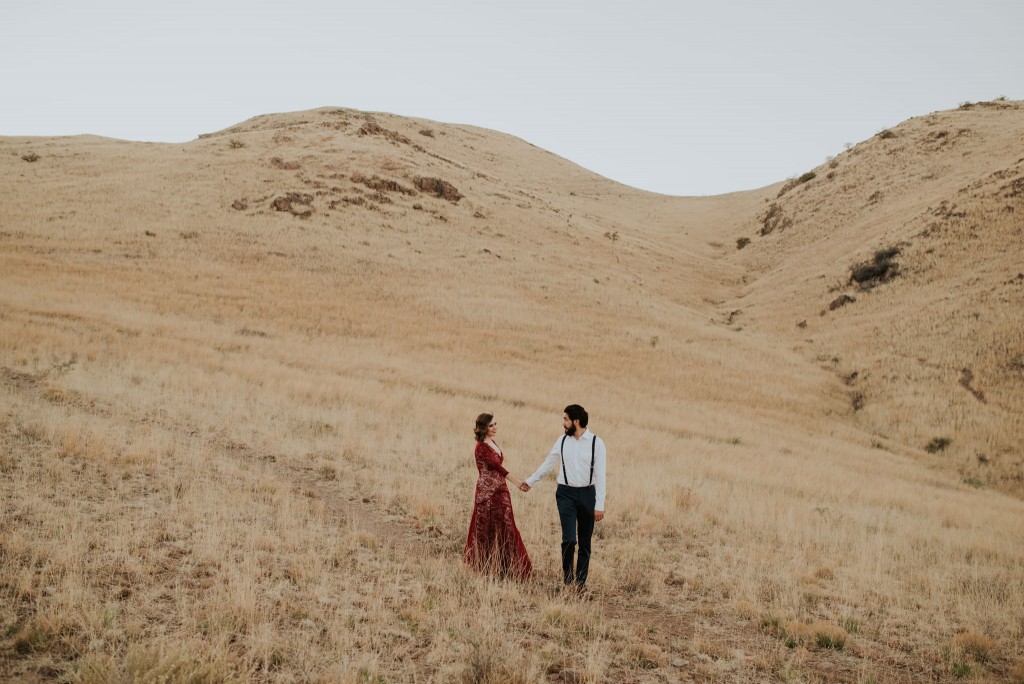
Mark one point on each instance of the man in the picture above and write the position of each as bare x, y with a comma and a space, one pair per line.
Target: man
581, 459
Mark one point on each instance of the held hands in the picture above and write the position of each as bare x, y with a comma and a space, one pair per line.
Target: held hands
519, 484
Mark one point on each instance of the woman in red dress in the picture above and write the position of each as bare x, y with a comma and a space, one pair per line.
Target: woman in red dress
494, 543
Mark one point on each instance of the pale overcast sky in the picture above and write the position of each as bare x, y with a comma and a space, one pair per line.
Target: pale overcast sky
679, 97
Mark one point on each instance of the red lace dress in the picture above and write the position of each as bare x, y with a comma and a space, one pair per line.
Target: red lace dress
494, 543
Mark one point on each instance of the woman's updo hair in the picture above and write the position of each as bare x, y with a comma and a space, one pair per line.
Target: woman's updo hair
483, 421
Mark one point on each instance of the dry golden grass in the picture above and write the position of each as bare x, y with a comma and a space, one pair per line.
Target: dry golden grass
236, 442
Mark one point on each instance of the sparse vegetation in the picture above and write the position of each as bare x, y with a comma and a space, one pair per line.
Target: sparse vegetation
438, 188
375, 182
774, 219
961, 669
236, 144
882, 268
279, 163
803, 178
857, 400
742, 242
30, 157
296, 203
829, 636
841, 301
938, 444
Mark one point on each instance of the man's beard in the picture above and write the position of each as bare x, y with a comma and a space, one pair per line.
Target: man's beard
570, 431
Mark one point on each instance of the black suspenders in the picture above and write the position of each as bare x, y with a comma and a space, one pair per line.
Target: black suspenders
593, 450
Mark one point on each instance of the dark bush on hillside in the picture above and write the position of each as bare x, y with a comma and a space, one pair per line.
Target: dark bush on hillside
774, 219
793, 182
881, 269
438, 187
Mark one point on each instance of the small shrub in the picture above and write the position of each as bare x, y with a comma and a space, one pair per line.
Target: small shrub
439, 188
881, 269
746, 609
30, 157
236, 144
810, 175
427, 132
773, 219
634, 579
841, 301
771, 624
742, 242
644, 656
829, 636
30, 640
279, 163
976, 646
613, 236
886, 134
857, 401
887, 254
961, 670
938, 444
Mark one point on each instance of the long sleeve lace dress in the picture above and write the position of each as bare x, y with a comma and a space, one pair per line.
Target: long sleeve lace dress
494, 543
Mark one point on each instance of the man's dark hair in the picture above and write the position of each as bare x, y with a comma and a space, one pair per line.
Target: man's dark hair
577, 412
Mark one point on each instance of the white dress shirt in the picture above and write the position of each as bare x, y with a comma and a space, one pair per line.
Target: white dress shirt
577, 464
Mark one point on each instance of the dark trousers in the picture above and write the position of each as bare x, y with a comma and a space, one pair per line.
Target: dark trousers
576, 512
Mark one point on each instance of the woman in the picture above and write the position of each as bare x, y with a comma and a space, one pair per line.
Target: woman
494, 543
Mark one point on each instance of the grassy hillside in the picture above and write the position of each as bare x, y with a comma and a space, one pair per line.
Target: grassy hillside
240, 374
898, 266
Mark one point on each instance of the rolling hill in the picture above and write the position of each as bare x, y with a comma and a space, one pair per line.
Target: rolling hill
240, 376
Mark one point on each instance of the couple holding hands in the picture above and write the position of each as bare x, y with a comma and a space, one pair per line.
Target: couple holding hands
494, 542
